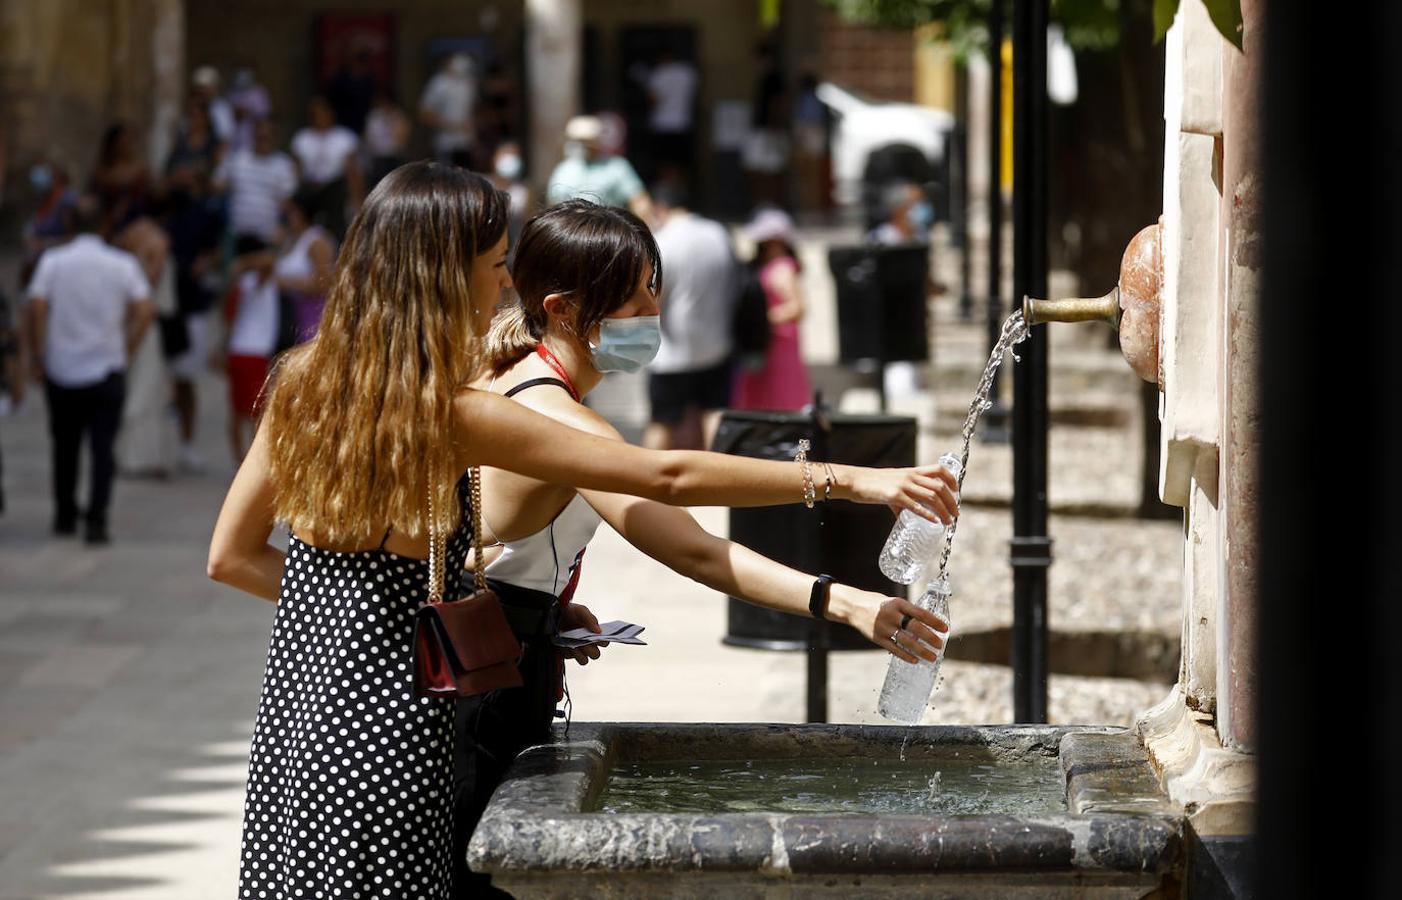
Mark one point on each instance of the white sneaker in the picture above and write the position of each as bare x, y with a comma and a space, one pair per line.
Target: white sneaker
190, 461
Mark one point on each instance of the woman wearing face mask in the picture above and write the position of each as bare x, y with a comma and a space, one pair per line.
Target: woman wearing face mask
48, 224
506, 174
574, 323
368, 437
909, 216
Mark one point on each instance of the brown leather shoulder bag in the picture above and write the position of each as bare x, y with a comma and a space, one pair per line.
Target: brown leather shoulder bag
462, 647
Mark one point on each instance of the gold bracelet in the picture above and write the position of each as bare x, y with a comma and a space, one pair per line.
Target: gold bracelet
810, 494
828, 481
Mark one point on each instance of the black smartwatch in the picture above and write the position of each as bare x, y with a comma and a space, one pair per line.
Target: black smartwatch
818, 599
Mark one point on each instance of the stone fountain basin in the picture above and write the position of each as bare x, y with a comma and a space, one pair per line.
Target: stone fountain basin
543, 835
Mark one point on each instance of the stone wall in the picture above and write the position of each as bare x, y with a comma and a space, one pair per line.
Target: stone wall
1190, 329
1211, 260
1201, 738
68, 68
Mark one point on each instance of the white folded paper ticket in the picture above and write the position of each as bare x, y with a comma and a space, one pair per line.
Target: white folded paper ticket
616, 632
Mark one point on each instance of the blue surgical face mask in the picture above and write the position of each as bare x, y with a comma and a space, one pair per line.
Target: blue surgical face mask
626, 345
922, 214
41, 178
508, 166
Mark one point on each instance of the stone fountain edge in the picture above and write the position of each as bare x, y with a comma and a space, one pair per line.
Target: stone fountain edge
536, 831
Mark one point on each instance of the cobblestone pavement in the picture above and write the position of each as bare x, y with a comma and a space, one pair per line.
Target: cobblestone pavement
128, 681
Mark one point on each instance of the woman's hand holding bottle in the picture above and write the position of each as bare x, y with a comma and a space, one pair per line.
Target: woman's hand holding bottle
918, 632
928, 491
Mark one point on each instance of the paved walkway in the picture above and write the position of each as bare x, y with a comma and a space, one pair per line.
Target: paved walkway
128, 681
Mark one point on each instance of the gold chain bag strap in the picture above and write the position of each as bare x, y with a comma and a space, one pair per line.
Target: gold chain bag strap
462, 647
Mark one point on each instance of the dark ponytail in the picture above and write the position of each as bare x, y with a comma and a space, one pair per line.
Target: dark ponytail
596, 254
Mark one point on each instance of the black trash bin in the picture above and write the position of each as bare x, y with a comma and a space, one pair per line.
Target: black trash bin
882, 311
850, 537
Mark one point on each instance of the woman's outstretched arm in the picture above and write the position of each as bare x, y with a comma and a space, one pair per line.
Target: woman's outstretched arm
496, 431
672, 537
239, 553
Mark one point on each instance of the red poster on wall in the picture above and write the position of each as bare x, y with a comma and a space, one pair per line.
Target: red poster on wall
347, 39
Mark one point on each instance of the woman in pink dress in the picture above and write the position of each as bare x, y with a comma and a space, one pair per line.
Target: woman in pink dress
782, 382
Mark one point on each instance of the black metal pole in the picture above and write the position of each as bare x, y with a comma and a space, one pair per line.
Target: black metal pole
817, 672
1031, 547
960, 187
818, 631
994, 424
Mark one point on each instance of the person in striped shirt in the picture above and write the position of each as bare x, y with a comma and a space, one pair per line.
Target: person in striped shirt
257, 180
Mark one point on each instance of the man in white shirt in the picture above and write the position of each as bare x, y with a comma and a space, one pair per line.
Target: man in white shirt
446, 106
328, 156
689, 380
89, 306
671, 85
257, 181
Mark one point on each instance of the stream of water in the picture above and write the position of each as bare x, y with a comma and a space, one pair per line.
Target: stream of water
1015, 330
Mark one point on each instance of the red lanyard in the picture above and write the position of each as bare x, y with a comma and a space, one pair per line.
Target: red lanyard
544, 353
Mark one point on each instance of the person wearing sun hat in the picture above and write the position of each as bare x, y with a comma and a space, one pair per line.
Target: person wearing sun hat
782, 381
586, 173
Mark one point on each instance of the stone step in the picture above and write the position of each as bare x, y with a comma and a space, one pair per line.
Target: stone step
1088, 409
1142, 655
1068, 373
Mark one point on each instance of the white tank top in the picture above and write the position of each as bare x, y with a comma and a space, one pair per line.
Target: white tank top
544, 561
297, 261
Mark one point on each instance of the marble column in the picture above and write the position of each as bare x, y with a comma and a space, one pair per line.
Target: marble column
1189, 357
1241, 270
554, 31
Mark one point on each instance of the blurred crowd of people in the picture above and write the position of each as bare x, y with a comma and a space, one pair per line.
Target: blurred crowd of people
223, 257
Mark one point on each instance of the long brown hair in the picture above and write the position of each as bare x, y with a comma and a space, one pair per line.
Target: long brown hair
594, 253
360, 418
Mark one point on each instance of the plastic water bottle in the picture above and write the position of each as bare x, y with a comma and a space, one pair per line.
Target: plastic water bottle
908, 686
914, 541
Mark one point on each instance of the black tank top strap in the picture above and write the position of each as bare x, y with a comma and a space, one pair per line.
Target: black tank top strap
535, 382
386, 537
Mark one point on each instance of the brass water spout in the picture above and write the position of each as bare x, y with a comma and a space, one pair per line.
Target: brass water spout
1074, 309
1132, 308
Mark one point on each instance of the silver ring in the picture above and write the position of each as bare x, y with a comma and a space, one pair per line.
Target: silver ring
893, 637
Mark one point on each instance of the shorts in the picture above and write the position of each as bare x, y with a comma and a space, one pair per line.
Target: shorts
673, 147
672, 393
765, 150
246, 377
189, 364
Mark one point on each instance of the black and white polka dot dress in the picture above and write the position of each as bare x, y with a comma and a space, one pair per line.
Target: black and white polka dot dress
350, 775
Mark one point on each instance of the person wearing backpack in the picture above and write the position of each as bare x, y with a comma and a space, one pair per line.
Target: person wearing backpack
781, 381
689, 380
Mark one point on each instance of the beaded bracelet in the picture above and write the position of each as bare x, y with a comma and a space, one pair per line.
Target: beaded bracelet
810, 493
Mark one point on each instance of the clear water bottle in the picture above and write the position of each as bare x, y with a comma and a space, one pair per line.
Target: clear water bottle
908, 686
914, 542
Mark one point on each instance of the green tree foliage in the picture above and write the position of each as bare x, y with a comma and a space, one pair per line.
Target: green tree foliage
1225, 14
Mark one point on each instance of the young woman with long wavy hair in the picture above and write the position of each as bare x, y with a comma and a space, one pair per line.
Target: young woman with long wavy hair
367, 437
548, 351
